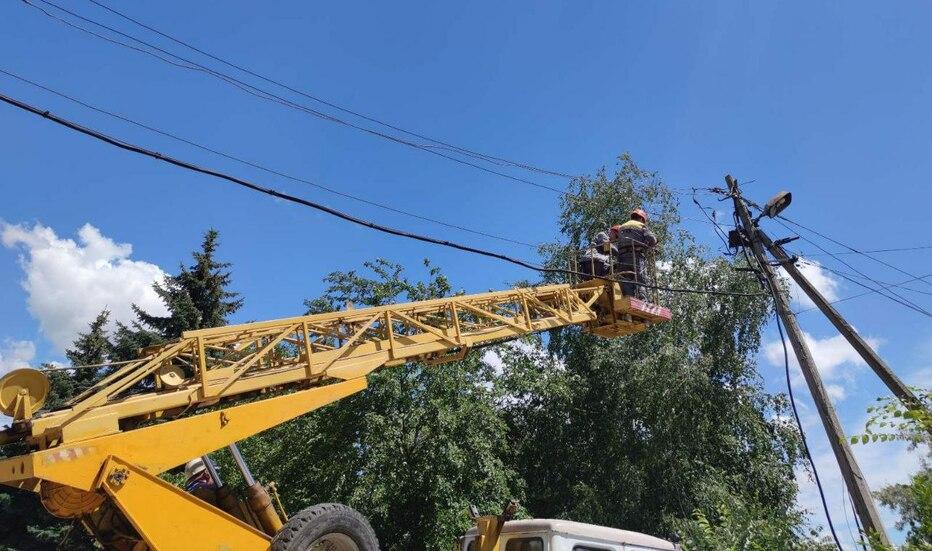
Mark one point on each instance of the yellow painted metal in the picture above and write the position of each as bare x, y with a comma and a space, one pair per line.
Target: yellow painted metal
232, 360
164, 445
169, 518
76, 447
68, 502
260, 502
22, 392
489, 533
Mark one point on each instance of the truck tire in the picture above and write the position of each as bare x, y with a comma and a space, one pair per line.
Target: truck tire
326, 527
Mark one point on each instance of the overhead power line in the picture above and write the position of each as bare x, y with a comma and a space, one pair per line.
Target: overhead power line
262, 93
884, 292
874, 251
884, 284
909, 304
176, 60
329, 103
323, 208
852, 249
866, 293
267, 169
259, 166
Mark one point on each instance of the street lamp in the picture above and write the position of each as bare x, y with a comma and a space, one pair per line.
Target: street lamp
777, 203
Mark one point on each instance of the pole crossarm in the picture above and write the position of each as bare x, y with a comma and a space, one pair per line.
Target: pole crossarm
209, 365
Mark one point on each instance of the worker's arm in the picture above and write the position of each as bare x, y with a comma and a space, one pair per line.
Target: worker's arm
649, 238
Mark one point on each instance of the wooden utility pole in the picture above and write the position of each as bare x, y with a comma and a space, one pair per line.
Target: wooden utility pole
854, 479
896, 386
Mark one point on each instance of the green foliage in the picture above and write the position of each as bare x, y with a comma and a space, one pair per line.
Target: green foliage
127, 340
637, 432
197, 297
90, 348
913, 503
737, 526
412, 451
633, 432
27, 526
891, 420
61, 387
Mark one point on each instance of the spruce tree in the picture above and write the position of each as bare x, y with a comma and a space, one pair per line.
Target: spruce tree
128, 339
90, 348
197, 297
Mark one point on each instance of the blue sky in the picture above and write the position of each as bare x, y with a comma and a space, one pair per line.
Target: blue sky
829, 100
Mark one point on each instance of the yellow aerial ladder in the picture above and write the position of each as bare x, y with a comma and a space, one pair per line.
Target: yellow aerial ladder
98, 459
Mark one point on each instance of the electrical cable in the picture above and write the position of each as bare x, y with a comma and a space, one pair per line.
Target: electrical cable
259, 166
774, 293
266, 94
844, 509
893, 250
885, 284
718, 230
864, 294
330, 103
328, 210
273, 171
90, 366
799, 424
261, 93
852, 249
857, 524
336, 106
895, 296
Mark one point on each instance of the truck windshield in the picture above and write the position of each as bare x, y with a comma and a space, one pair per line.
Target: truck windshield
525, 544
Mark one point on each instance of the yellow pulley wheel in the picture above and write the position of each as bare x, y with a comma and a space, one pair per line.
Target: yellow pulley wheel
171, 376
22, 392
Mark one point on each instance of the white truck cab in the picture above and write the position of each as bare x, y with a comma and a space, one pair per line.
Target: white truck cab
566, 535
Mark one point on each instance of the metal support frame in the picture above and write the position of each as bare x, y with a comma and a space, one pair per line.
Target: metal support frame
115, 438
147, 500
207, 365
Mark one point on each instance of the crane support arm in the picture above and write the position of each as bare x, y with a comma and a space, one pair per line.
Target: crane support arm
141, 412
162, 446
209, 365
213, 387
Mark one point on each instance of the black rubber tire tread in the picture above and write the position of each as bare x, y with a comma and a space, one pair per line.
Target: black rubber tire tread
318, 520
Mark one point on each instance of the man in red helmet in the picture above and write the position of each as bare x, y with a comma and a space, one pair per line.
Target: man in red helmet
633, 239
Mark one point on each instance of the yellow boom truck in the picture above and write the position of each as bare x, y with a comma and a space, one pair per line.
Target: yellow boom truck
98, 459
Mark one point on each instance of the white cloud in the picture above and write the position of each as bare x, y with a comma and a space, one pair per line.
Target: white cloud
16, 354
494, 360
68, 283
829, 354
836, 392
492, 357
822, 280
920, 377
881, 464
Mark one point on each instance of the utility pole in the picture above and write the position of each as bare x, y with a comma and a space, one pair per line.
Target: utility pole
883, 371
854, 479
